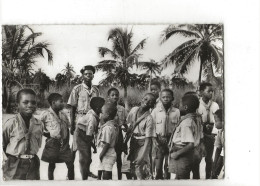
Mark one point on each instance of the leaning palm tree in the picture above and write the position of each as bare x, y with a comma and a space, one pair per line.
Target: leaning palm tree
123, 58
202, 46
69, 73
152, 68
19, 50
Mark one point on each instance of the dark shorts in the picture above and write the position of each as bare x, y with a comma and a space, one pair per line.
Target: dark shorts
55, 153
181, 166
21, 169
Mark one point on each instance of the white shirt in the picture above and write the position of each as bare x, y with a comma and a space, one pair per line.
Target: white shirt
202, 110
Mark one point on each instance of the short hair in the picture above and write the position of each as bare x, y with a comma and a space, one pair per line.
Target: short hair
112, 89
203, 86
53, 97
88, 67
168, 90
219, 114
111, 109
192, 101
154, 98
190, 93
156, 83
96, 103
24, 91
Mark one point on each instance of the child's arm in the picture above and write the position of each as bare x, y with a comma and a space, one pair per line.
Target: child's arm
93, 145
147, 143
187, 148
104, 151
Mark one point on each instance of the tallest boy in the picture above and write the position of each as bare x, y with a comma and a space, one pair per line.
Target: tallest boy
79, 99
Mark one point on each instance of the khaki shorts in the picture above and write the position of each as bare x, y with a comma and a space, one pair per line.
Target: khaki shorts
107, 163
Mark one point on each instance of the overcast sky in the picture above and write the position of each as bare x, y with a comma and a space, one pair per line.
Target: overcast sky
78, 45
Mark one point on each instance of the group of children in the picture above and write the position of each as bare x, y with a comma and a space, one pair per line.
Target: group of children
151, 141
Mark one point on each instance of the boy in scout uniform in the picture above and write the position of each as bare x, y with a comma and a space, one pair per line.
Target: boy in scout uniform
22, 138
166, 117
140, 132
156, 89
56, 124
120, 119
185, 137
107, 140
79, 101
85, 130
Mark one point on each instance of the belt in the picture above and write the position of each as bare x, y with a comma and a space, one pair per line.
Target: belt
138, 136
25, 156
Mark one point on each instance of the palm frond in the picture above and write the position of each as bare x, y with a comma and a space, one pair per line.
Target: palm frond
104, 51
139, 46
173, 30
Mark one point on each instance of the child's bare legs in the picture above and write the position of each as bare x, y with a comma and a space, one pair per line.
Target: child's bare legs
167, 175
51, 169
159, 167
70, 166
100, 174
119, 165
107, 175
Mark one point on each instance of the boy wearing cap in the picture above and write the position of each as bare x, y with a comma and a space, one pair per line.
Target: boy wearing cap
22, 138
79, 100
85, 130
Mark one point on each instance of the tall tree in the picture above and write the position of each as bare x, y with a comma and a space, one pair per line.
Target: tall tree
60, 80
152, 69
69, 73
19, 51
123, 58
202, 46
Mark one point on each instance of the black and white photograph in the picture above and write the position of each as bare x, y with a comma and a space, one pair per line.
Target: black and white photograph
113, 102
130, 92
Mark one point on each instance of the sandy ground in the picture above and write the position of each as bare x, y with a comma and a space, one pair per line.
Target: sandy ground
61, 169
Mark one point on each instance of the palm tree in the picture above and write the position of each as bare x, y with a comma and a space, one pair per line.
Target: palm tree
123, 58
69, 73
152, 68
203, 46
60, 80
43, 81
19, 51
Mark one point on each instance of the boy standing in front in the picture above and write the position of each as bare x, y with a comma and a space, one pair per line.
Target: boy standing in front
185, 137
85, 130
166, 117
22, 138
107, 140
207, 109
56, 124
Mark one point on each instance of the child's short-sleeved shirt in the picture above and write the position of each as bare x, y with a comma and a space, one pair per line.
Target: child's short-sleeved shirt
108, 134
219, 142
187, 131
145, 127
19, 140
88, 122
57, 126
80, 97
165, 121
203, 109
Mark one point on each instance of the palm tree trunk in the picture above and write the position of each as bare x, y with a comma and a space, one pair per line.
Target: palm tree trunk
125, 98
200, 73
9, 100
150, 81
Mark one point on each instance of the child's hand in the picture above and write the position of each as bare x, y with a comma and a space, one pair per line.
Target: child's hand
174, 155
